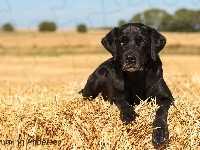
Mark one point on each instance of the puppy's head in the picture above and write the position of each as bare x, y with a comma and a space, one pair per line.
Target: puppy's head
133, 44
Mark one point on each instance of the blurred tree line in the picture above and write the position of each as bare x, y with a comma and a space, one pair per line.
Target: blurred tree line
183, 20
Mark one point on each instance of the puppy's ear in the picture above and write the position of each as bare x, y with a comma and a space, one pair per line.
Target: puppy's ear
109, 42
158, 41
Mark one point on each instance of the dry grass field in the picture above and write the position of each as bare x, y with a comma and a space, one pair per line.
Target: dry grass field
64, 42
41, 108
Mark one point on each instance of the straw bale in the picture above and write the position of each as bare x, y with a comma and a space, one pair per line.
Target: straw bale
46, 117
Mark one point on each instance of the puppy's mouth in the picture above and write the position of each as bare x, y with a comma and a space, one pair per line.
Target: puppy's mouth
131, 68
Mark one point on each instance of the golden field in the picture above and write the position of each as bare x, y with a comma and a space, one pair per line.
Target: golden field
77, 68
41, 108
64, 42
33, 38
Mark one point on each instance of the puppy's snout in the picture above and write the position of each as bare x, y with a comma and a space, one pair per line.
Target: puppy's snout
131, 58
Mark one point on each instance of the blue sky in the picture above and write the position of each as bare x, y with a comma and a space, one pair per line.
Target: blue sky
27, 14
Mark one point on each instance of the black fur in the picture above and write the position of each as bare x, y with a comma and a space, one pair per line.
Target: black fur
135, 70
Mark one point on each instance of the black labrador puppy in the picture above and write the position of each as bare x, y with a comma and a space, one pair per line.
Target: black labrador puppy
133, 73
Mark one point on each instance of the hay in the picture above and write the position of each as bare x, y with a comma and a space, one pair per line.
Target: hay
45, 117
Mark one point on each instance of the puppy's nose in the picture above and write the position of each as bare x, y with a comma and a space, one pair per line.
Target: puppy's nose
131, 58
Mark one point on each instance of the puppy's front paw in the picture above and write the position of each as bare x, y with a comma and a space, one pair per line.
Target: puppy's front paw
128, 115
160, 132
85, 95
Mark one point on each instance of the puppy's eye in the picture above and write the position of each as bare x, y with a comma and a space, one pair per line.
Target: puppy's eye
141, 39
122, 41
